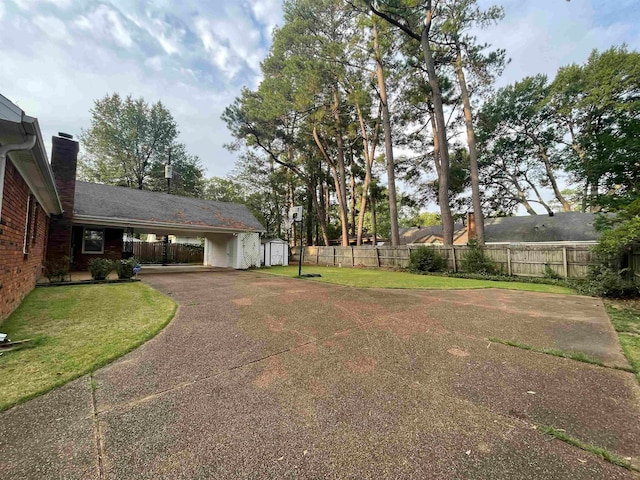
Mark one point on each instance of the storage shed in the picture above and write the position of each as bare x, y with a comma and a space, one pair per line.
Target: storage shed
274, 251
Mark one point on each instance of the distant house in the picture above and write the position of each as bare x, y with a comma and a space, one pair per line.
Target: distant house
562, 227
46, 214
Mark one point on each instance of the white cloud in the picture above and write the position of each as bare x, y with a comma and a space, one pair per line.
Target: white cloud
52, 27
107, 23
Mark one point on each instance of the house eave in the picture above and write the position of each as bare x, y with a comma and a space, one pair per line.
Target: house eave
32, 164
159, 226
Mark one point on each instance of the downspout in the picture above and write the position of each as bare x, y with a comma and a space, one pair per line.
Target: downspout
4, 150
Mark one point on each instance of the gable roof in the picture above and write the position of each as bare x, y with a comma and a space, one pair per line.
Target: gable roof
128, 205
562, 227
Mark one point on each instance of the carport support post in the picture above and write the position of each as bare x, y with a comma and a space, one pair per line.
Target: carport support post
165, 250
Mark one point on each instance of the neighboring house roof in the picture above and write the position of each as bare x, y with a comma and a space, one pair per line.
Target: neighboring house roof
421, 234
111, 204
33, 165
562, 227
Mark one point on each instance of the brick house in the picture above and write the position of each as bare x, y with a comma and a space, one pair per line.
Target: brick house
28, 200
47, 215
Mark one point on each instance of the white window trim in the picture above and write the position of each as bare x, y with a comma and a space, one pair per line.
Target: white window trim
84, 229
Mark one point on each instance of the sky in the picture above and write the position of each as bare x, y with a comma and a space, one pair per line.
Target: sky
58, 56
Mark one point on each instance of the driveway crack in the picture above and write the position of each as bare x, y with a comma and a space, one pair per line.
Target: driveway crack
97, 434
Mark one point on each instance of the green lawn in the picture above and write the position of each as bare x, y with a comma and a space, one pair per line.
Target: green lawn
625, 317
77, 329
373, 277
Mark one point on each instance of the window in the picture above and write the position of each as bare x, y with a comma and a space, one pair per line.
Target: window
93, 240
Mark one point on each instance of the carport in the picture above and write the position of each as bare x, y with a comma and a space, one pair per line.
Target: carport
106, 218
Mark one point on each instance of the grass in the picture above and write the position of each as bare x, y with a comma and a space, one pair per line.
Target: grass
77, 330
601, 452
577, 356
378, 278
625, 317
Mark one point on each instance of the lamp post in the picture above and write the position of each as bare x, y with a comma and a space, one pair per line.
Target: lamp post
168, 173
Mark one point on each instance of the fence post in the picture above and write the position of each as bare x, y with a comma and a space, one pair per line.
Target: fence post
377, 256
509, 261
353, 258
453, 253
334, 256
317, 254
564, 262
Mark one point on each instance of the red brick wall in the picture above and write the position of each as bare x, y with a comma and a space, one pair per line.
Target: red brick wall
112, 247
64, 160
19, 272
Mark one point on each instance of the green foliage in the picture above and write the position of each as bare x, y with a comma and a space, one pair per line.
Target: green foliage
549, 272
100, 268
124, 268
425, 259
57, 270
605, 281
128, 143
475, 260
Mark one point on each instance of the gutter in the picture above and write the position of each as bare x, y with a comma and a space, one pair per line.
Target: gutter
42, 162
126, 222
4, 150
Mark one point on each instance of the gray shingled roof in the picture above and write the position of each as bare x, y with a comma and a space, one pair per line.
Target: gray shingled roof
562, 227
124, 203
418, 234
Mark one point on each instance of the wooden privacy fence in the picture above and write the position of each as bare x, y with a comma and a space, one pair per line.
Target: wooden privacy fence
151, 252
566, 260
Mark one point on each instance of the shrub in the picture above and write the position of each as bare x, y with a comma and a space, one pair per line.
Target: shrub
56, 270
100, 268
477, 261
425, 259
605, 281
124, 268
549, 272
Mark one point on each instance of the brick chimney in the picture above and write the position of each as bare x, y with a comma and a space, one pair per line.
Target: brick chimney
64, 163
471, 226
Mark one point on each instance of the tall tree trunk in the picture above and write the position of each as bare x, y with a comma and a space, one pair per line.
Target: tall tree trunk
310, 213
321, 209
352, 204
443, 144
342, 182
374, 226
478, 216
339, 184
551, 176
386, 122
369, 156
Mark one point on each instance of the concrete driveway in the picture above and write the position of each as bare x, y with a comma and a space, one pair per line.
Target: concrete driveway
268, 377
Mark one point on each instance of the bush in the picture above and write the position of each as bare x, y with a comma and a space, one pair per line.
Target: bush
124, 268
56, 270
605, 281
100, 268
425, 259
476, 260
549, 272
